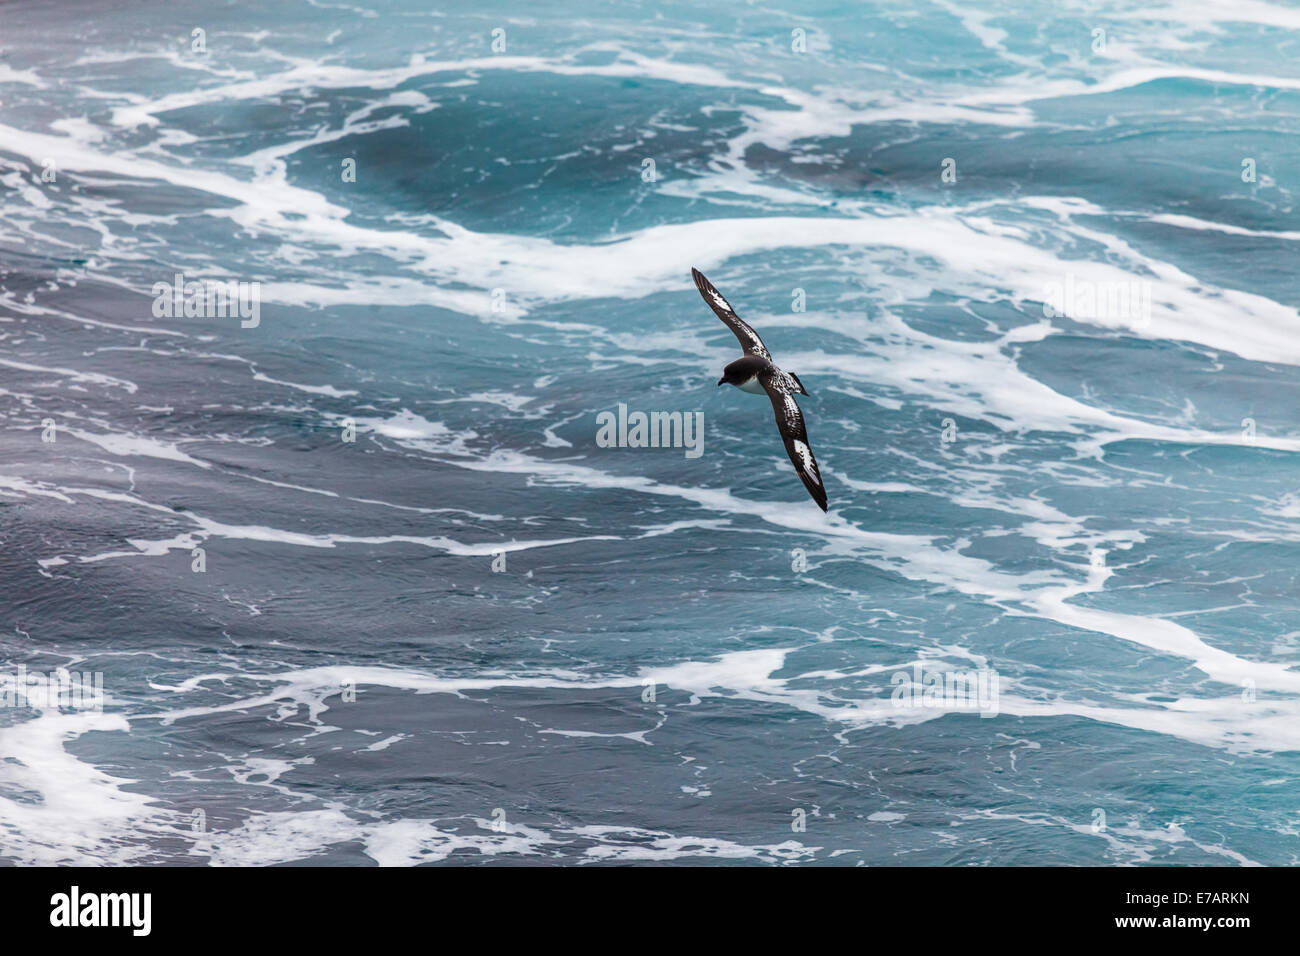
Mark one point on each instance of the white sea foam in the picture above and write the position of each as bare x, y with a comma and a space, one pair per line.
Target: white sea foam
977, 252
58, 809
134, 446
93, 378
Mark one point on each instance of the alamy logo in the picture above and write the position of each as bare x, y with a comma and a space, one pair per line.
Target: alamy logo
102, 909
947, 690
1099, 300
74, 690
208, 299
655, 430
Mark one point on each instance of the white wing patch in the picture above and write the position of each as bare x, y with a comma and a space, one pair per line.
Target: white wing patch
805, 455
748, 338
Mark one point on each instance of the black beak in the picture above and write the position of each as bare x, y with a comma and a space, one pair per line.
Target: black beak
722, 381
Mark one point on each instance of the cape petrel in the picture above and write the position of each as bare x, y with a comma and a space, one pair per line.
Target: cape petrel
755, 372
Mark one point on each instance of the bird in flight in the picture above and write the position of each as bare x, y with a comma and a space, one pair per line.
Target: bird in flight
755, 372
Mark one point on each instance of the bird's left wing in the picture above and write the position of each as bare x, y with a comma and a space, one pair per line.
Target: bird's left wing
789, 419
749, 340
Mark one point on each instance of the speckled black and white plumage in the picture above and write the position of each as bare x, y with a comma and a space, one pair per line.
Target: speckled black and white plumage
789, 418
749, 340
755, 371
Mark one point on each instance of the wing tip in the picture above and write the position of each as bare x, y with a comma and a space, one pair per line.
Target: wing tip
818, 494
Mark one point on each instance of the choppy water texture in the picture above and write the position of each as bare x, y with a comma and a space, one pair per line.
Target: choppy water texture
1108, 521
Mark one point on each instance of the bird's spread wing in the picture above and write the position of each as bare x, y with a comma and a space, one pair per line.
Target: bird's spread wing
790, 420
749, 340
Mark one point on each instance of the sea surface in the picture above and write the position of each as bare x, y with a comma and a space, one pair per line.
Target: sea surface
361, 586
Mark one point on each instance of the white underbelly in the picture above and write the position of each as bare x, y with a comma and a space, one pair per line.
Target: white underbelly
753, 386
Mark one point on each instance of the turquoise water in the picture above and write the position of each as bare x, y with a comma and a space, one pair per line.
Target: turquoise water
1035, 277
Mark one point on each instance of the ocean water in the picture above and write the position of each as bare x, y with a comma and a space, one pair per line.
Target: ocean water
1032, 266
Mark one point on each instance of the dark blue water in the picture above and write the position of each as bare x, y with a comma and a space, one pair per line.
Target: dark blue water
359, 581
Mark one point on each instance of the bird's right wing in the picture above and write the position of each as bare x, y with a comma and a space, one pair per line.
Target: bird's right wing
789, 419
749, 340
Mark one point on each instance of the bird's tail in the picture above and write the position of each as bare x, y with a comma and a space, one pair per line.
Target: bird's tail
797, 382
